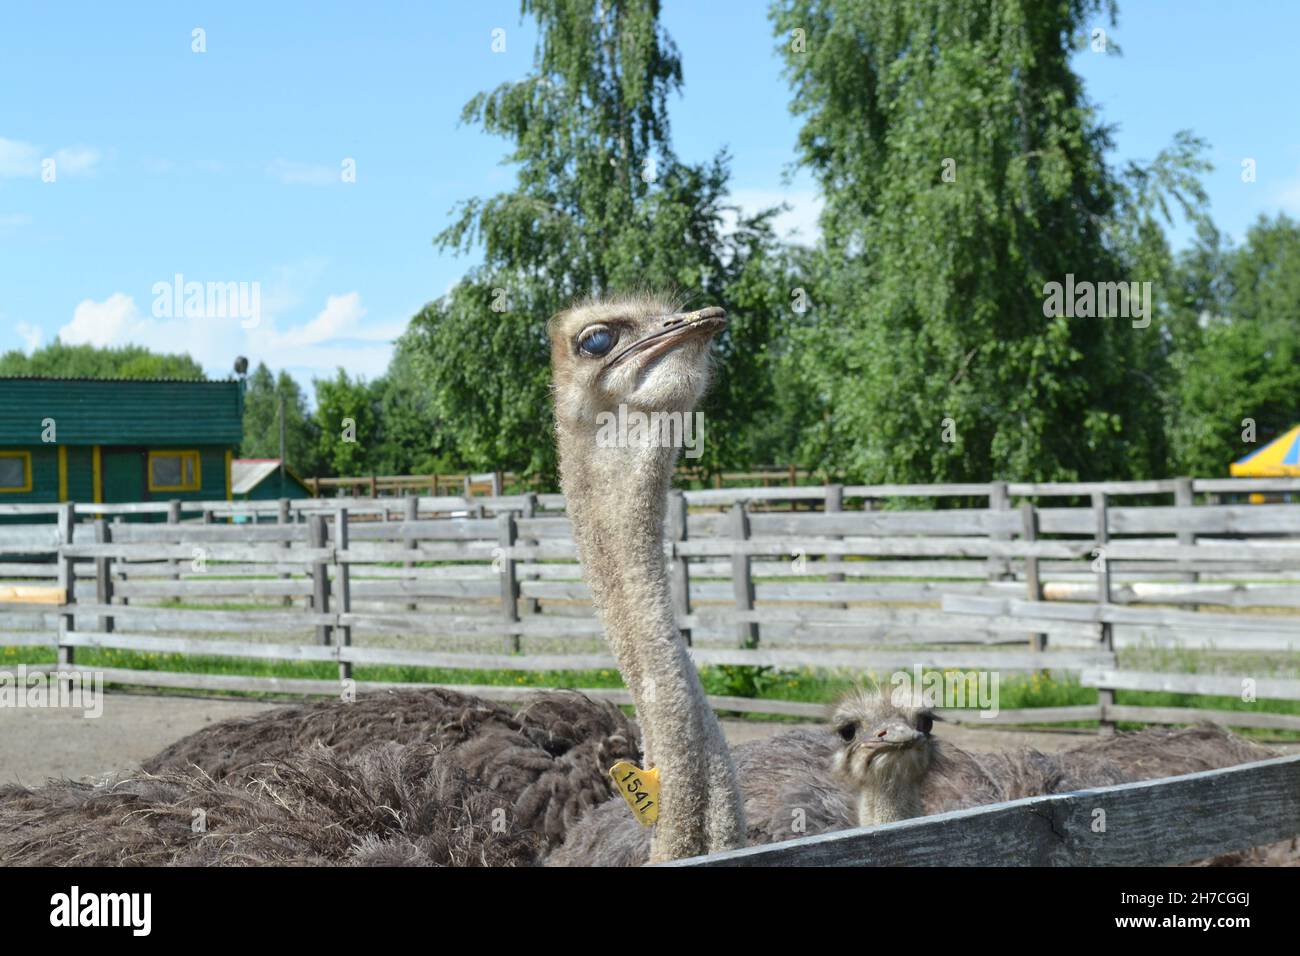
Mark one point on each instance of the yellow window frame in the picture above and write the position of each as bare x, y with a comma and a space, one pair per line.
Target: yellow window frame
26, 457
192, 456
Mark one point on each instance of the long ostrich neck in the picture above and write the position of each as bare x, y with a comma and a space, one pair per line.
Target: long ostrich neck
616, 499
889, 803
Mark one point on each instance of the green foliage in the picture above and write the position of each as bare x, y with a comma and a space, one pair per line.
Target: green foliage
962, 172
347, 426
962, 169
601, 206
58, 360
384, 427
262, 396
740, 680
410, 439
1239, 347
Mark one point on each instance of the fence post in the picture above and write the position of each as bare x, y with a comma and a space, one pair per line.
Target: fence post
507, 534
343, 584
1033, 585
531, 605
412, 514
67, 569
1183, 498
320, 579
681, 570
122, 573
1105, 695
104, 575
835, 504
742, 579
174, 517
282, 518
999, 568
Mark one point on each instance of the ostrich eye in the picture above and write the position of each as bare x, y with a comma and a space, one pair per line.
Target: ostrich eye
925, 723
847, 731
597, 342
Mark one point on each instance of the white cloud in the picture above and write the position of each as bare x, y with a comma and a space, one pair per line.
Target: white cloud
19, 159
114, 321
342, 313
336, 336
31, 335
798, 223
302, 174
76, 160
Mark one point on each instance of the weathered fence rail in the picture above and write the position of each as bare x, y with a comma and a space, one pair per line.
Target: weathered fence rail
1153, 823
491, 582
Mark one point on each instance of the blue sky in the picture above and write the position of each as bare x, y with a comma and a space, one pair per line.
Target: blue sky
224, 166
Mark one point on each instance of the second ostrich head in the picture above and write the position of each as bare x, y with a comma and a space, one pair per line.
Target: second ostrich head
643, 355
884, 753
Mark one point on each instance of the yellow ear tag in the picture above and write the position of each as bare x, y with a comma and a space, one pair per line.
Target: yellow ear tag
640, 788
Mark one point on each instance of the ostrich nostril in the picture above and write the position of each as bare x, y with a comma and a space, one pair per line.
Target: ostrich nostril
881, 733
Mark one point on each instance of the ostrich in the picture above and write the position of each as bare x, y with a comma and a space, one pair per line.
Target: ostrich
383, 804
643, 355
546, 761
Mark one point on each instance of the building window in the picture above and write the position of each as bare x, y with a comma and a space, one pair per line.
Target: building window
174, 471
15, 471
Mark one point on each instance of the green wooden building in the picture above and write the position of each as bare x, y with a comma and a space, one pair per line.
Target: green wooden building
99, 440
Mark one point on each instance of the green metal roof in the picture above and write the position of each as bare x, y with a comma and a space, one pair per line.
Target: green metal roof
121, 411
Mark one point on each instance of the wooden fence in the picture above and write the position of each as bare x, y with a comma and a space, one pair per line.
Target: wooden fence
859, 584
491, 483
1153, 823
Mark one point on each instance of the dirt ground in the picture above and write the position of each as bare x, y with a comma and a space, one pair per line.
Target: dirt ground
36, 744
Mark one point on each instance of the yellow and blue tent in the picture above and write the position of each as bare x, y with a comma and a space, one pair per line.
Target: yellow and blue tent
1280, 458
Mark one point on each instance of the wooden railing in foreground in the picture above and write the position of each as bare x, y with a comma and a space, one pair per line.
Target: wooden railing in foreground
998, 589
1153, 823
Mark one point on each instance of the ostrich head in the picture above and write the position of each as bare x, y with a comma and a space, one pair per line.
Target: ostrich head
637, 352
884, 752
643, 354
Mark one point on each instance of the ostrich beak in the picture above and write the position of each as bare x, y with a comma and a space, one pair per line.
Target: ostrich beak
894, 738
676, 329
